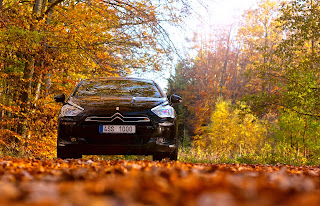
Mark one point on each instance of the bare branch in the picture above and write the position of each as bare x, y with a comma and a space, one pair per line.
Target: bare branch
4, 23
1, 1
52, 6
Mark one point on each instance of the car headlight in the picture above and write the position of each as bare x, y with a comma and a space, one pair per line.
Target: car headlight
163, 111
70, 110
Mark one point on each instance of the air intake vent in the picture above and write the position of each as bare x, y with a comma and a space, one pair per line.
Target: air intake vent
115, 117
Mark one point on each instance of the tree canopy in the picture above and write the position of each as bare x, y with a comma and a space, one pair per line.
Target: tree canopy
48, 45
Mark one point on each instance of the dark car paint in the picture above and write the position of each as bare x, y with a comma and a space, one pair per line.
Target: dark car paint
159, 136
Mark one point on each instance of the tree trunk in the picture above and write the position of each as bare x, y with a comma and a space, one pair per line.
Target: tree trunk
44, 4
222, 81
2, 98
25, 96
1, 2
235, 76
28, 72
38, 89
37, 7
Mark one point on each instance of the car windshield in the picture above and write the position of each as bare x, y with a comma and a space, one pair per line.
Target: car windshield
135, 88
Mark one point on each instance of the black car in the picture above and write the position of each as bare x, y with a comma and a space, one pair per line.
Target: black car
124, 116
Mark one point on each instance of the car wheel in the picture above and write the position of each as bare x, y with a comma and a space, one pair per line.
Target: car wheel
174, 155
171, 156
64, 154
159, 156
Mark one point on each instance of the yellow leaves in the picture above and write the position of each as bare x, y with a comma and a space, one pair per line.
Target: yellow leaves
233, 132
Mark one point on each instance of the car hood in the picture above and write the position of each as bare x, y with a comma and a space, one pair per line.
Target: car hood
97, 102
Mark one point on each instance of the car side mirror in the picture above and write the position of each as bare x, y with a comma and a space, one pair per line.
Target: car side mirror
175, 99
60, 98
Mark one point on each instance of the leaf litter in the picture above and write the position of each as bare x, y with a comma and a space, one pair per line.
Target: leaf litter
27, 181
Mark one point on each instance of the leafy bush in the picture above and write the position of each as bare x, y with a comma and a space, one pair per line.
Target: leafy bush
236, 135
296, 138
233, 132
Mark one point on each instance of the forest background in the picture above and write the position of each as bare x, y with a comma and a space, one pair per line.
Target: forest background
251, 92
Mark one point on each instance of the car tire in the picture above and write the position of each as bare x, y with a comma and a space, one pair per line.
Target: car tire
171, 156
64, 154
158, 156
174, 155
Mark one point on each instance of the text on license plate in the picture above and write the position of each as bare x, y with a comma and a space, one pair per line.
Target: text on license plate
119, 129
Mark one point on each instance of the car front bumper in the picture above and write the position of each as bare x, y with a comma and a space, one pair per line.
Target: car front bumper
148, 140
153, 146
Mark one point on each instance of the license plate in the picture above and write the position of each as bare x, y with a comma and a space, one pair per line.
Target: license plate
117, 129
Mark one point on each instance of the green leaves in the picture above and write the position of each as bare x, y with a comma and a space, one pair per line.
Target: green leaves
298, 56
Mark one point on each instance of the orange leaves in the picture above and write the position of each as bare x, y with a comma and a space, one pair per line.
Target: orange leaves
45, 47
87, 182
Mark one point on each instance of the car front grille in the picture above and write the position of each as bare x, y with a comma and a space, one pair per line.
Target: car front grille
117, 116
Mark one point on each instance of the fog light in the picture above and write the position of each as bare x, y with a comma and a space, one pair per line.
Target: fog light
73, 139
69, 123
160, 140
166, 124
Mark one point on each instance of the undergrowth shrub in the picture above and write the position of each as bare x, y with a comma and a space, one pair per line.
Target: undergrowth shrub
296, 138
235, 134
233, 131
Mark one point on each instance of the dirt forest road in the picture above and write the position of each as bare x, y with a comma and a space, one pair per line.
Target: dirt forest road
102, 183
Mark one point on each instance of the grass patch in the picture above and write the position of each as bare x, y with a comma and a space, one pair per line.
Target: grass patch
198, 155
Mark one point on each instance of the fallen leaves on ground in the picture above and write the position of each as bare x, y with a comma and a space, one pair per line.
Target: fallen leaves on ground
97, 183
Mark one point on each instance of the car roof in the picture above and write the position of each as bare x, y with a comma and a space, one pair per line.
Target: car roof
124, 78
119, 78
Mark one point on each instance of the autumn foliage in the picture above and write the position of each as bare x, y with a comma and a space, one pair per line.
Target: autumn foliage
88, 182
269, 62
250, 91
47, 46
233, 132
